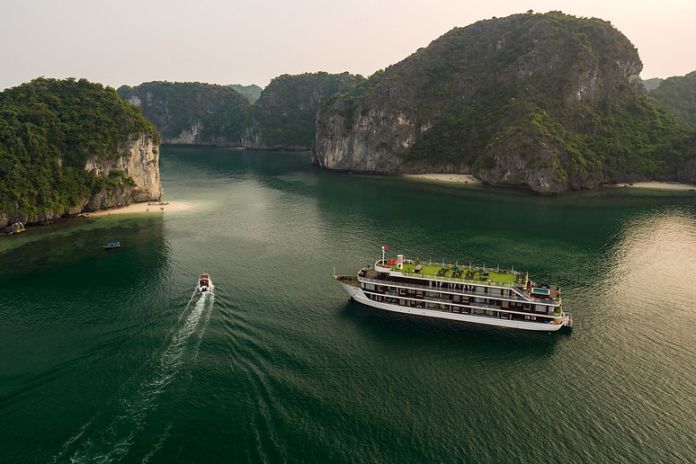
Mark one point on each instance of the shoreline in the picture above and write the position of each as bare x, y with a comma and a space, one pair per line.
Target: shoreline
655, 185
141, 208
456, 179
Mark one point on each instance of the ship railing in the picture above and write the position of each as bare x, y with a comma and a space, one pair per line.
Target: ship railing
515, 296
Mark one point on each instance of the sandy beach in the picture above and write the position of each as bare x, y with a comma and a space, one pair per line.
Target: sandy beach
143, 208
658, 186
446, 178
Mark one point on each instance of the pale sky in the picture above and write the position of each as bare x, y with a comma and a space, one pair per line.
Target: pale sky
251, 41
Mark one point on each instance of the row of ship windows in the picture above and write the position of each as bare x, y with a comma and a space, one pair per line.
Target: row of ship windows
539, 308
452, 308
479, 289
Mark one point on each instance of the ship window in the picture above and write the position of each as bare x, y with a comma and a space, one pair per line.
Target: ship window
541, 308
369, 286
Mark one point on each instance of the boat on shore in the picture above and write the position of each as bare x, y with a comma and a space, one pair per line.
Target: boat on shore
205, 283
477, 294
16, 228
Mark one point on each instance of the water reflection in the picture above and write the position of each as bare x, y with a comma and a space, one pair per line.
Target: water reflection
652, 267
465, 339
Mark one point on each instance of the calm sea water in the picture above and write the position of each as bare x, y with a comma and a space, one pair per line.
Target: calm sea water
108, 357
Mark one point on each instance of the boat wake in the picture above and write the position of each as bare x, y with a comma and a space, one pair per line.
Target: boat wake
113, 442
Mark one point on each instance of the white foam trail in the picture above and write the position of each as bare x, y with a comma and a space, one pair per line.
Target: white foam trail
204, 324
118, 437
158, 445
66, 446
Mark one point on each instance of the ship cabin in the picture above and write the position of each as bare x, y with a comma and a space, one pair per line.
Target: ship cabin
464, 289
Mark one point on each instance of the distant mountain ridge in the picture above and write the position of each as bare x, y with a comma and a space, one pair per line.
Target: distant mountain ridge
678, 96
192, 112
282, 116
652, 84
252, 92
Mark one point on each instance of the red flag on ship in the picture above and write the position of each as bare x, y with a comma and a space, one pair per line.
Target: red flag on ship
384, 247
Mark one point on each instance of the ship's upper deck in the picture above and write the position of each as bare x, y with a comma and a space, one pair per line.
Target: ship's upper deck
464, 274
471, 275
457, 273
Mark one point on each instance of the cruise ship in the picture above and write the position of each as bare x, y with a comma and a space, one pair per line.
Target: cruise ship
490, 296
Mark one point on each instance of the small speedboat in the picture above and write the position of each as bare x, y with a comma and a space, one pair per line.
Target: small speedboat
205, 284
111, 245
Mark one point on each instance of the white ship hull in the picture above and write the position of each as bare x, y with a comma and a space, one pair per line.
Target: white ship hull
358, 295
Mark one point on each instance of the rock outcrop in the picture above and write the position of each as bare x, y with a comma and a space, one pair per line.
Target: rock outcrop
139, 161
547, 101
91, 151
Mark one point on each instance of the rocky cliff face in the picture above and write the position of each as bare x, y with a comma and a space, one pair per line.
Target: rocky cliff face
547, 101
139, 161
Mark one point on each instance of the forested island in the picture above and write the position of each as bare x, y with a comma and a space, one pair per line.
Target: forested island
68, 146
548, 101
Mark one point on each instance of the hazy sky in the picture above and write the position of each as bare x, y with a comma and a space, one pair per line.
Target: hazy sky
251, 41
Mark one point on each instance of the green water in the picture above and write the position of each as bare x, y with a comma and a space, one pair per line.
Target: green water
107, 356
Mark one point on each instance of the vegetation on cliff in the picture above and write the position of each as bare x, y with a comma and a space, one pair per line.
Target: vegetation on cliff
192, 112
284, 115
48, 130
550, 101
678, 96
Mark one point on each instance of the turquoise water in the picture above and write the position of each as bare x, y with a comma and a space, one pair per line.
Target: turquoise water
110, 357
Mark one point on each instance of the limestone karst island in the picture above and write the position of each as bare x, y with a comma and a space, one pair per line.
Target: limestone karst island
370, 232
